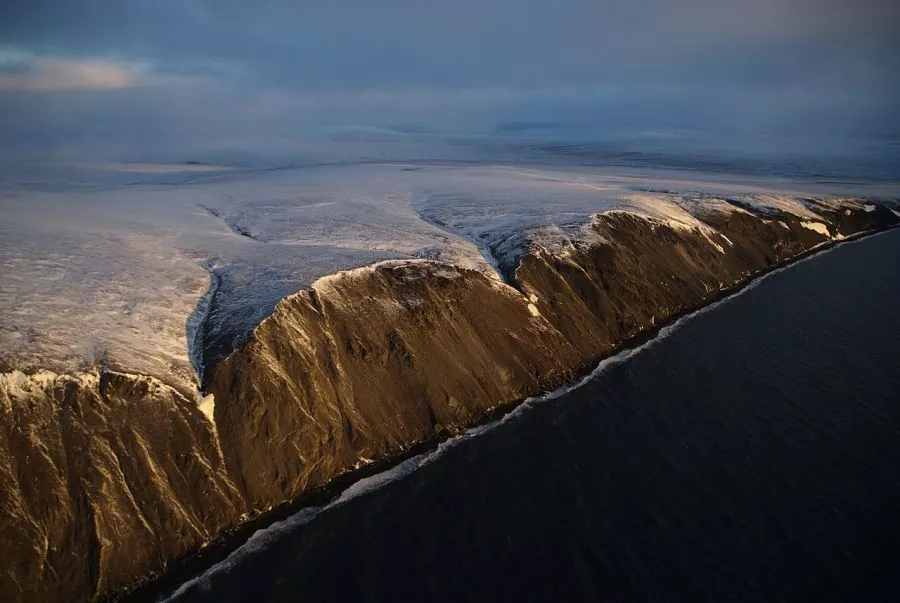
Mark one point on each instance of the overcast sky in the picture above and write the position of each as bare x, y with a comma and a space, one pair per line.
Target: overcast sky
123, 75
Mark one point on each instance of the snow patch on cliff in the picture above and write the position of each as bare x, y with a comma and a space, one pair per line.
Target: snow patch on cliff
208, 407
785, 203
818, 227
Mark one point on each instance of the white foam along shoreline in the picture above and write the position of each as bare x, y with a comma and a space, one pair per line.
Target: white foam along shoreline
263, 537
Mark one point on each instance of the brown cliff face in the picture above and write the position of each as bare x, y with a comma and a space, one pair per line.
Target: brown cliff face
103, 479
648, 272
375, 362
107, 479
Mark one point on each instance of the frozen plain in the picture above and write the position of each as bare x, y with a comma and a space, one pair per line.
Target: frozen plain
117, 265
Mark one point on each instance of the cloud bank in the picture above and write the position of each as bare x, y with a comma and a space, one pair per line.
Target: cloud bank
131, 74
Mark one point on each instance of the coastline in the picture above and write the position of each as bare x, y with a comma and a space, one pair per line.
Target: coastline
153, 587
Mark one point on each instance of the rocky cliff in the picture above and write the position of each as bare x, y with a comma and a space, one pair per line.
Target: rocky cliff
106, 477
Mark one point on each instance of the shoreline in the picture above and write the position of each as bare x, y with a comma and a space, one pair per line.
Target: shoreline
154, 587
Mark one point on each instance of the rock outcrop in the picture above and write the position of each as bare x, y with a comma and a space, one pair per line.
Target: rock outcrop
103, 477
107, 477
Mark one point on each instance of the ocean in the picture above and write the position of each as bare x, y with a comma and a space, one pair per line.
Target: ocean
750, 453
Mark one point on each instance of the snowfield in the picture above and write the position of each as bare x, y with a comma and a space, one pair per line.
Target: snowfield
140, 269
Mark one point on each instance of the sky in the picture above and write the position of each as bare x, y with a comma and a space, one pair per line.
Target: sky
127, 78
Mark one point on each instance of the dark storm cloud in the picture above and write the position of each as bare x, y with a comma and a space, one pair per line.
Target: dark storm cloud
807, 65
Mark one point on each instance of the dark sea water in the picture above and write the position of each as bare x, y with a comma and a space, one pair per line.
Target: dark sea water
753, 454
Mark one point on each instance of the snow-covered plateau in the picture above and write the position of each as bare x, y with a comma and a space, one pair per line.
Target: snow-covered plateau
139, 267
